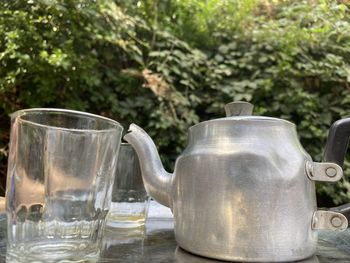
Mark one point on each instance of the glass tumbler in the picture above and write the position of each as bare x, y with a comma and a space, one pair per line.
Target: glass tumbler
60, 171
129, 198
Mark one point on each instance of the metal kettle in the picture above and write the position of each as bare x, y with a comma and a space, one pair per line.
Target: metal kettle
243, 189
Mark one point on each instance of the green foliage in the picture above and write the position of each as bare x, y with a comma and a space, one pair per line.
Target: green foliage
201, 23
57, 53
167, 65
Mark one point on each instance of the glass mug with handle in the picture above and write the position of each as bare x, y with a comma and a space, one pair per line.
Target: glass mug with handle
59, 182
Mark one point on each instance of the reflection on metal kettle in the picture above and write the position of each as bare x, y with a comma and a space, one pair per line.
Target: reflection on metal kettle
244, 187
182, 256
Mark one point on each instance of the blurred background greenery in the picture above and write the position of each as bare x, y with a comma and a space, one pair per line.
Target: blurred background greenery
169, 64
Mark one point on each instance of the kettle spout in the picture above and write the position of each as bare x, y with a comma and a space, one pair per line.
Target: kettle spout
157, 181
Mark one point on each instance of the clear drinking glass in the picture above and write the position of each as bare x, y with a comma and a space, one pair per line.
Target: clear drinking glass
129, 198
60, 170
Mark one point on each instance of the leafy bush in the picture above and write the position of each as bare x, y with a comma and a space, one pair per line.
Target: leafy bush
132, 61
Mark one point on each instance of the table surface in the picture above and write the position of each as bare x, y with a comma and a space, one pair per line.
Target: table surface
156, 243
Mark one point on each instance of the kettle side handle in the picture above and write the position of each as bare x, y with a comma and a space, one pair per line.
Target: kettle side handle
337, 142
335, 151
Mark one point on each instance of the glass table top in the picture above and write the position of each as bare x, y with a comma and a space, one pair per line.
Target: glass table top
156, 243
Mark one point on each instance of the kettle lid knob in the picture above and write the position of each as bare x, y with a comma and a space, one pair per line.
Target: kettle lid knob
239, 108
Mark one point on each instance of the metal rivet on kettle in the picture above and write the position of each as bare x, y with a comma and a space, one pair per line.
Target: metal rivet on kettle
336, 221
331, 172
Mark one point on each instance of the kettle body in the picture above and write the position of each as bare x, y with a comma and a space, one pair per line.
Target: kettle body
242, 190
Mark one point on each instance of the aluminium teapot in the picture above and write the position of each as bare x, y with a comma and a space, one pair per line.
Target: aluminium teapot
244, 187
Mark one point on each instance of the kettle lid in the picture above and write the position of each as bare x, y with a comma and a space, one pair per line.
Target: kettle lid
239, 108
239, 117
242, 111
